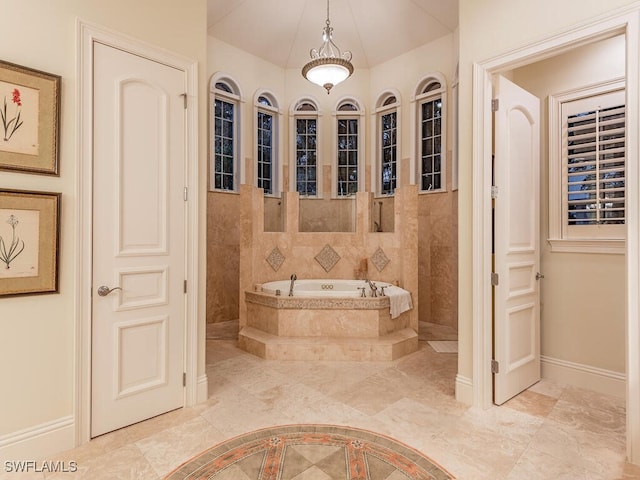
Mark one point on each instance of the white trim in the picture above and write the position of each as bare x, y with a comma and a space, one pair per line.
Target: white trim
87, 35
202, 388
599, 380
39, 441
464, 389
626, 21
588, 245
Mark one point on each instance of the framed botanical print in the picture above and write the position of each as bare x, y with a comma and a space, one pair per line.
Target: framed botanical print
29, 238
29, 119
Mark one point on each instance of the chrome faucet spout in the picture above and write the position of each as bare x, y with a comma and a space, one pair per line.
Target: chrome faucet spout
373, 288
293, 280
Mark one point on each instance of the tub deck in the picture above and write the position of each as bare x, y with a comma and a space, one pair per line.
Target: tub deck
325, 328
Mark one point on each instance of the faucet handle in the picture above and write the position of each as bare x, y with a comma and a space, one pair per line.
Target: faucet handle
382, 291
362, 289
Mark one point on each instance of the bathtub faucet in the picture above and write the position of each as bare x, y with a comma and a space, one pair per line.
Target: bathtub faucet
373, 288
293, 279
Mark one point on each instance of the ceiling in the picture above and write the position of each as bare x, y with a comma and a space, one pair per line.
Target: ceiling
283, 31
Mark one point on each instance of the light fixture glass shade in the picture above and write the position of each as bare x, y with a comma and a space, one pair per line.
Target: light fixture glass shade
327, 72
328, 67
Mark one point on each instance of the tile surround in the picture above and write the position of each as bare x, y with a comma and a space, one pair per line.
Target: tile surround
327, 258
275, 259
379, 259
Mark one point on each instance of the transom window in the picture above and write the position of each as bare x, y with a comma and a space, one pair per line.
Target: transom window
306, 150
430, 109
224, 140
348, 141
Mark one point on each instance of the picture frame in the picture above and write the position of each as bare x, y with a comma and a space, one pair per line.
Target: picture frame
29, 120
29, 242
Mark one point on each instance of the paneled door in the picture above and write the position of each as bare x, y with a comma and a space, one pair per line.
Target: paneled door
138, 302
517, 240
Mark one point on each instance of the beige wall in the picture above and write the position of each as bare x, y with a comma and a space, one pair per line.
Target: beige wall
487, 29
582, 295
38, 347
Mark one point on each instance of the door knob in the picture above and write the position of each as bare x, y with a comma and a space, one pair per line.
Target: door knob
103, 291
539, 275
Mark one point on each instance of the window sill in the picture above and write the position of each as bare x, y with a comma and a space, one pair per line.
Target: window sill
430, 192
216, 190
588, 245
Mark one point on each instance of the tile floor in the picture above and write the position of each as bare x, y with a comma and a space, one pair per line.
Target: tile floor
551, 431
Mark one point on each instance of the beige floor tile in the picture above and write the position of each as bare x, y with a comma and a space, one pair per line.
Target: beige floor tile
533, 403
551, 431
125, 463
170, 448
534, 465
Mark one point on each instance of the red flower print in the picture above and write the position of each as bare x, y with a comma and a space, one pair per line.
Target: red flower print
11, 125
16, 97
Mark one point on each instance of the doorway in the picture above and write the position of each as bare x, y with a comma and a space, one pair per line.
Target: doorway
482, 134
176, 365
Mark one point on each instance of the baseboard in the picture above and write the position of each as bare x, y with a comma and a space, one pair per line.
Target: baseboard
202, 389
40, 441
464, 390
584, 376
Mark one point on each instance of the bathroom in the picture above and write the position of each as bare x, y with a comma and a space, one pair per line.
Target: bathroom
354, 225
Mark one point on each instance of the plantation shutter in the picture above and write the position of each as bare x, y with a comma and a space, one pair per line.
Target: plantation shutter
594, 160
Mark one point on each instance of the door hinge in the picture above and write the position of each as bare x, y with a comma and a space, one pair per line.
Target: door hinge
495, 366
494, 191
185, 286
495, 279
184, 99
495, 105
185, 193
184, 379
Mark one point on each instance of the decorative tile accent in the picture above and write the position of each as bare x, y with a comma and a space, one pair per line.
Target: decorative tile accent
379, 259
327, 257
275, 259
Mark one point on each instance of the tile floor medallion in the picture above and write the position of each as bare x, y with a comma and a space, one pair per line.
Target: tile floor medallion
311, 452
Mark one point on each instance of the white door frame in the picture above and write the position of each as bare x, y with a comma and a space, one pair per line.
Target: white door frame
625, 21
87, 35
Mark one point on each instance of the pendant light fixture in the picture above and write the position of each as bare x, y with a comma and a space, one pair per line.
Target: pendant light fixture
328, 67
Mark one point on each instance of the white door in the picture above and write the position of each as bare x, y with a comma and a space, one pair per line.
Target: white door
138, 239
517, 240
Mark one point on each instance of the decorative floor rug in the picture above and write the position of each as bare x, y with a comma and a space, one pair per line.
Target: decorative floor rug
444, 346
310, 452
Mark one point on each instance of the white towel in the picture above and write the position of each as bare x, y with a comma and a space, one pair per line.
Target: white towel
399, 300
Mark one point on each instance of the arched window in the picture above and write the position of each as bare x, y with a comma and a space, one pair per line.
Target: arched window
348, 148
306, 171
387, 134
267, 114
431, 125
225, 134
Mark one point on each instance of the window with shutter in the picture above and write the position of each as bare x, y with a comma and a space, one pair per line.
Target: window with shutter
589, 158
